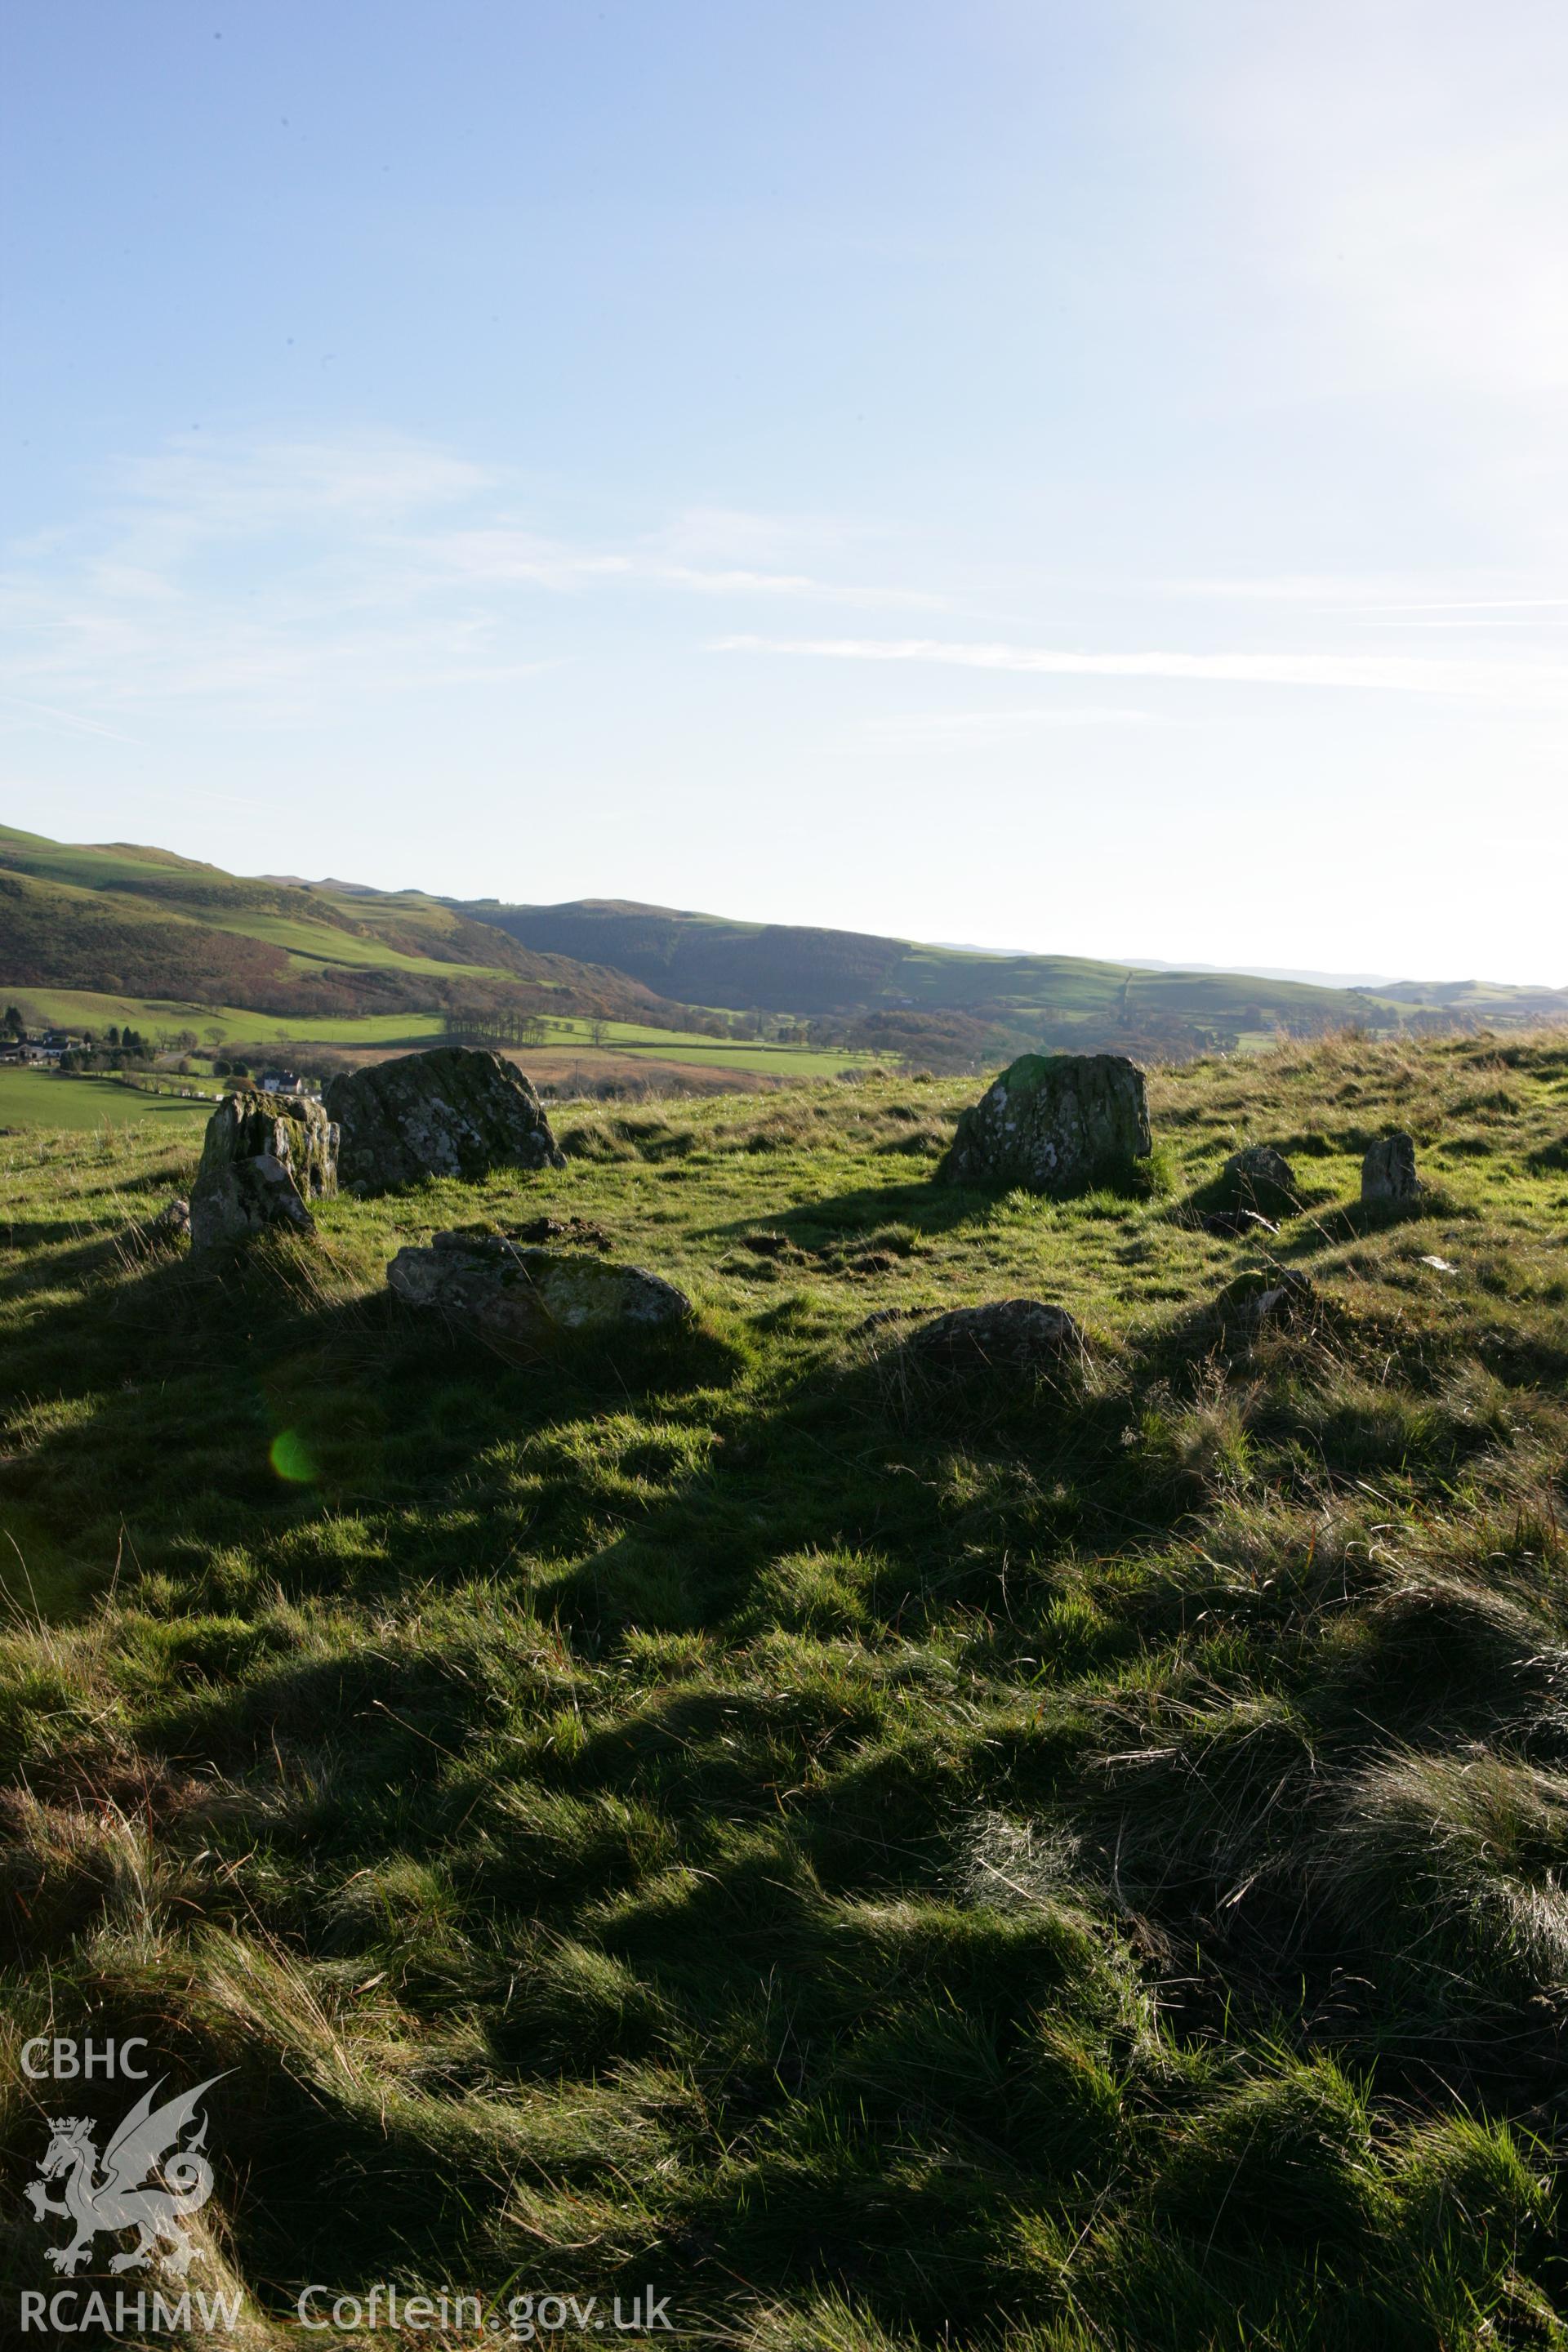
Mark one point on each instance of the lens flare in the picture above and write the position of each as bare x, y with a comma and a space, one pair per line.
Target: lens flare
290, 1457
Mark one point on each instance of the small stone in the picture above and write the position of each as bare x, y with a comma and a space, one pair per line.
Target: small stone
263, 1159
1388, 1171
1059, 1123
1260, 1179
1009, 1335
1289, 1295
881, 1316
172, 1222
455, 1111
561, 1229
1284, 1297
507, 1294
1237, 1224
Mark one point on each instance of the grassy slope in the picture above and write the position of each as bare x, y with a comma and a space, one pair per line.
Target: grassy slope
886, 1866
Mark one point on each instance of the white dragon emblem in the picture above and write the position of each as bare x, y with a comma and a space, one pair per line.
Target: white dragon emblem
121, 2197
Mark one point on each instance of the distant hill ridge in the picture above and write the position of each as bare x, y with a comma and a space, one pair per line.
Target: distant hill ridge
126, 920
712, 959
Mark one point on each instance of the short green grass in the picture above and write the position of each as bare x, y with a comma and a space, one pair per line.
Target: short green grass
894, 1865
45, 1099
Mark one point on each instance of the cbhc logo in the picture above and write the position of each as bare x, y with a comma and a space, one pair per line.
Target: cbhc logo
45, 2060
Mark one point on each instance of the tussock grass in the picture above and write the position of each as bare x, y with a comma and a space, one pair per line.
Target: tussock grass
895, 1861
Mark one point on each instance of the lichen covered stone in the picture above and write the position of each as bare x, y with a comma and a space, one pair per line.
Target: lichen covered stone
511, 1296
455, 1111
263, 1158
1059, 1123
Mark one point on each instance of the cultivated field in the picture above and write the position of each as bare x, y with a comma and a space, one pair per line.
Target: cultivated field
884, 1863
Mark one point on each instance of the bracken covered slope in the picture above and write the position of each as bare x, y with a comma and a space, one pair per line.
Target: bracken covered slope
888, 1864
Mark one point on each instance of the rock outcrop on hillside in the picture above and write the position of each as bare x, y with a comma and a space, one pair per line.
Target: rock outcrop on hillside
511, 1296
265, 1158
455, 1111
1059, 1123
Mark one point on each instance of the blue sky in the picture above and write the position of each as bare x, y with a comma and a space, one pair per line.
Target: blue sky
1087, 478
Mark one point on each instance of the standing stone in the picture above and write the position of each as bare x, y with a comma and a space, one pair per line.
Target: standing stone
1057, 1123
1388, 1171
455, 1111
264, 1158
507, 1294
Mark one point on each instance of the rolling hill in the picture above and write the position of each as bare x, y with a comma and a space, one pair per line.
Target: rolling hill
121, 920
117, 931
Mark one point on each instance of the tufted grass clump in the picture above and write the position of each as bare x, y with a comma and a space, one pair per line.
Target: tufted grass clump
892, 1861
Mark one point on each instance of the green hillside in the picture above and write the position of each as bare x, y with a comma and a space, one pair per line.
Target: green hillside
890, 1863
127, 922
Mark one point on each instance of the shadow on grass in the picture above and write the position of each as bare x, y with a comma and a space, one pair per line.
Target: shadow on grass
839, 1217
713, 1975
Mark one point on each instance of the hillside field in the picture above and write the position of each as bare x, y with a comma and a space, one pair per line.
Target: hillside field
885, 1862
38, 1098
569, 1039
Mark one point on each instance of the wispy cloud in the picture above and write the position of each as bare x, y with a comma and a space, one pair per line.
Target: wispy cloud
1360, 594
503, 555
268, 581
43, 714
1368, 673
916, 730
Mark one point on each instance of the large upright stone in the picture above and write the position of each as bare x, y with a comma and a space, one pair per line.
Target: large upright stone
511, 1296
1388, 1171
455, 1111
265, 1158
1059, 1123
